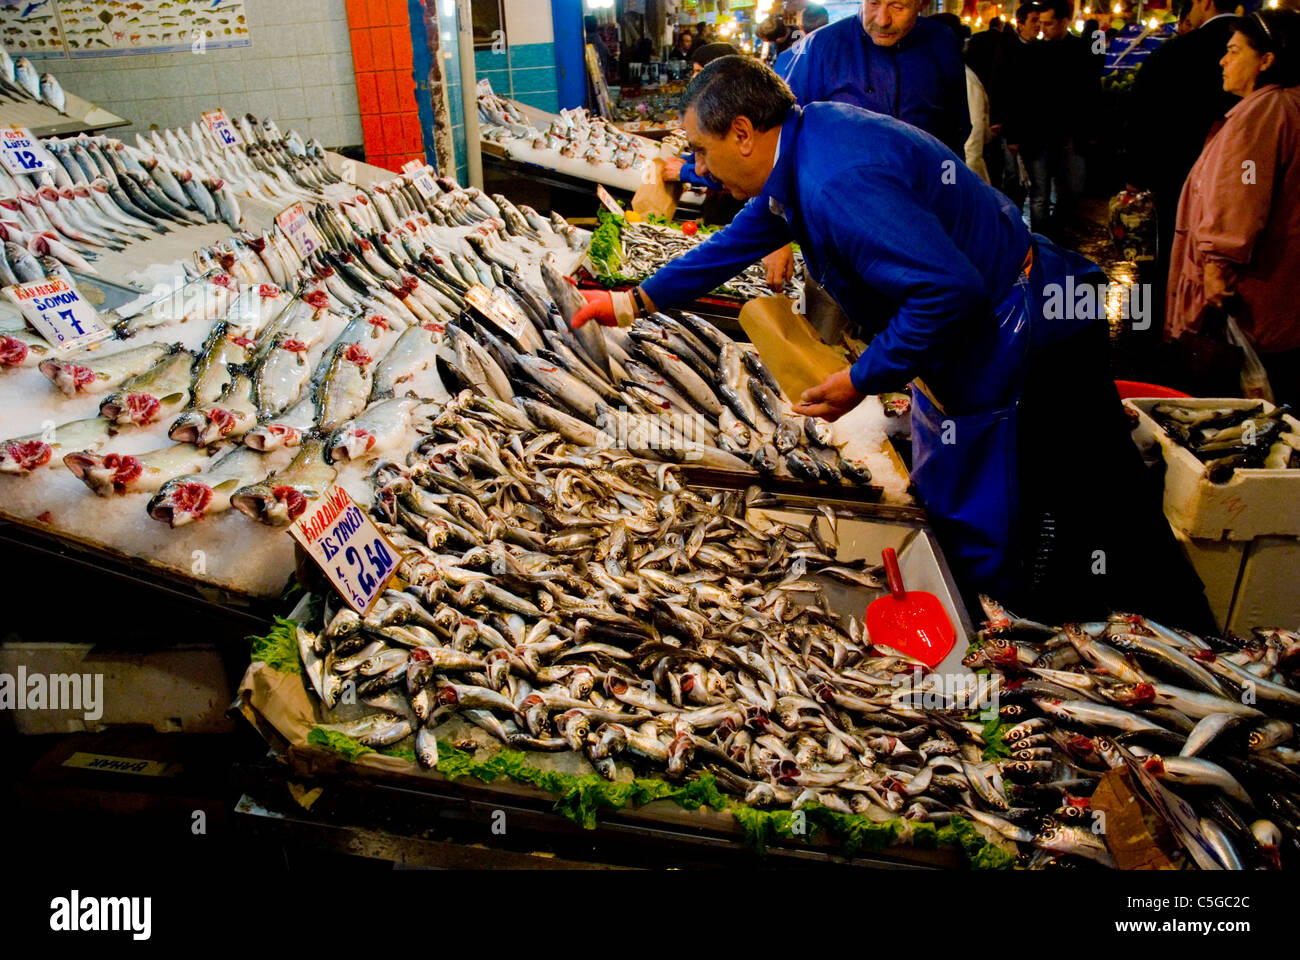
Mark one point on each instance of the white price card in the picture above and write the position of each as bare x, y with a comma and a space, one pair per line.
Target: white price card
418, 174
498, 309
58, 313
21, 151
219, 124
608, 200
348, 547
298, 228
485, 88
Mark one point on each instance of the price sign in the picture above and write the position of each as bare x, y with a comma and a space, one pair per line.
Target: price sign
496, 308
418, 174
298, 228
21, 151
348, 547
485, 88
608, 200
58, 313
219, 124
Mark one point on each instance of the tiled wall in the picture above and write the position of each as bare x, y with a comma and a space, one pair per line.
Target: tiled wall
525, 70
382, 57
298, 70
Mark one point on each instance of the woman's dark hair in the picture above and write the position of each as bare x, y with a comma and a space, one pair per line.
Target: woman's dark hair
734, 87
1277, 32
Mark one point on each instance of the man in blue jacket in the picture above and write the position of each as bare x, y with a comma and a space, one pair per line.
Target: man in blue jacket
1012, 399
888, 59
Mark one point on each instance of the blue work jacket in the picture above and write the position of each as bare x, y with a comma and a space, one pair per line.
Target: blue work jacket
889, 221
920, 80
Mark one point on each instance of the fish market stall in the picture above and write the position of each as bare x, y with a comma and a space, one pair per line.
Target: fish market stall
573, 143
626, 624
92, 438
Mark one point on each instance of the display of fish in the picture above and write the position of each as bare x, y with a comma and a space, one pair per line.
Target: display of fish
190, 497
283, 496
113, 473
99, 370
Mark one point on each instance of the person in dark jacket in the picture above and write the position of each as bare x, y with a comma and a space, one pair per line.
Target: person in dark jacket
682, 48
1178, 96
1007, 88
1050, 123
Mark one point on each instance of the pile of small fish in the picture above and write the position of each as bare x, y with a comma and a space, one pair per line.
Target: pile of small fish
1205, 726
573, 134
1231, 438
20, 83
563, 600
647, 247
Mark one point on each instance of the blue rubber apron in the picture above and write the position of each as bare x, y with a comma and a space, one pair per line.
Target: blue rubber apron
964, 453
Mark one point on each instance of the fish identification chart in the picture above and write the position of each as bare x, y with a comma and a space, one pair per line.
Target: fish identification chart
108, 28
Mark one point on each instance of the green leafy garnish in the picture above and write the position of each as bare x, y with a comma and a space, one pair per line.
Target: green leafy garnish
995, 748
582, 797
279, 648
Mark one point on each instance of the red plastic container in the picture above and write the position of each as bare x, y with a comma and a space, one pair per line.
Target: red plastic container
1136, 388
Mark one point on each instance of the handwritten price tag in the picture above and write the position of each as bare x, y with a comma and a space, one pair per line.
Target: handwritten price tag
58, 313
21, 151
608, 200
219, 124
348, 547
498, 309
418, 174
299, 230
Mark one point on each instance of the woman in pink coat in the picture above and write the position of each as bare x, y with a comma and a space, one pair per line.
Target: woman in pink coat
1237, 241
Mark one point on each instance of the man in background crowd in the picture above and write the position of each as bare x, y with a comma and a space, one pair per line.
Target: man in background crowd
1009, 80
814, 17
1059, 87
682, 48
1178, 96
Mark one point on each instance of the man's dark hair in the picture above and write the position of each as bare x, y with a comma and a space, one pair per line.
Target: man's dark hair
1225, 6
589, 23
1277, 32
1025, 9
952, 22
737, 87
814, 17
706, 54
995, 24
773, 30
1061, 9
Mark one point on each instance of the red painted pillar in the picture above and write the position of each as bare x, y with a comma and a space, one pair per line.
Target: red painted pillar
382, 59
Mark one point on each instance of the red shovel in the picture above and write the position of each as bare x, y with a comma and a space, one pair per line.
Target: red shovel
911, 621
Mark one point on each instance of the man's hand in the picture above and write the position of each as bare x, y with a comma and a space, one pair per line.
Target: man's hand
1014, 148
780, 267
608, 308
831, 399
995, 129
1218, 283
673, 169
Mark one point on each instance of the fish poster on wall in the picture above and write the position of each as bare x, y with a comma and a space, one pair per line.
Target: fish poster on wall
107, 28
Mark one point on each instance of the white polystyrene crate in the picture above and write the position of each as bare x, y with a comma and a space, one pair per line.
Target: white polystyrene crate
1253, 503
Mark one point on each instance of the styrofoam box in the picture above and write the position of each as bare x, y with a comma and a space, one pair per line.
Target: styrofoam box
1266, 594
178, 690
1254, 503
